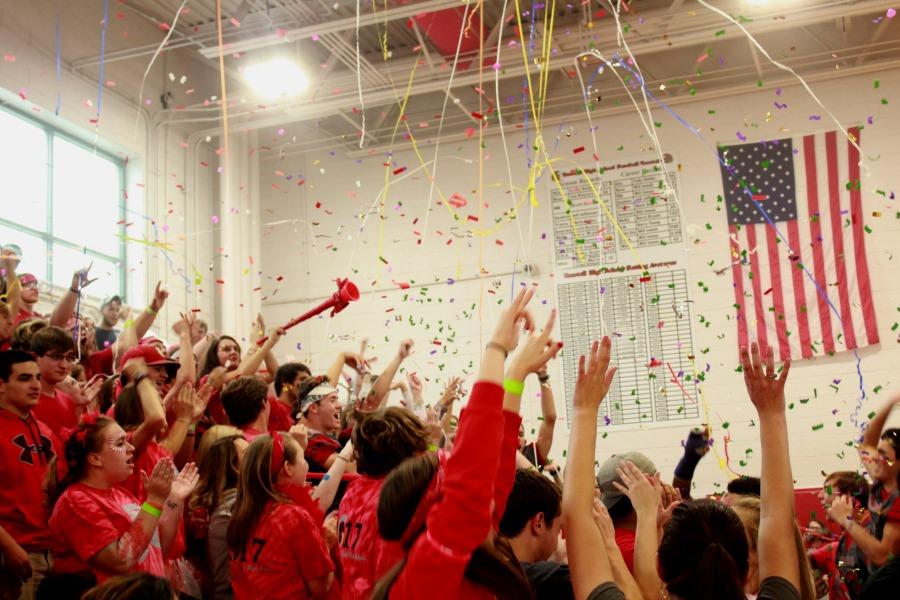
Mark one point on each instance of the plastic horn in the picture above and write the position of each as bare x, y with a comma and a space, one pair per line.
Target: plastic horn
347, 292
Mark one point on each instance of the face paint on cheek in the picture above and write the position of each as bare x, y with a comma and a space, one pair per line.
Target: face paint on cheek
114, 442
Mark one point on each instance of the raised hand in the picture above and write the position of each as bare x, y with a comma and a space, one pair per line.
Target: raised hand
356, 362
764, 385
183, 404
537, 350
301, 434
159, 483
644, 495
184, 324
80, 278
134, 368
840, 510
160, 295
415, 384
506, 333
405, 349
603, 521
595, 376
184, 484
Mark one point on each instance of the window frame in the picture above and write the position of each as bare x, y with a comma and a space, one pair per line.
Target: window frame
46, 236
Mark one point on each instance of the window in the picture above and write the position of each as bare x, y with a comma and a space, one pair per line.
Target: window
62, 203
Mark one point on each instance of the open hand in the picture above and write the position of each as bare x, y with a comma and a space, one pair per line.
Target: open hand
506, 333
160, 294
537, 350
159, 483
644, 495
184, 484
765, 387
595, 377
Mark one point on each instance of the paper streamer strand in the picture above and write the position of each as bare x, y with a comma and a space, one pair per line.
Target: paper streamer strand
156, 54
101, 76
362, 104
222, 81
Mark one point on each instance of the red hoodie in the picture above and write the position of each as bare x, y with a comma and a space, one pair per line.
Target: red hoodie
480, 469
26, 447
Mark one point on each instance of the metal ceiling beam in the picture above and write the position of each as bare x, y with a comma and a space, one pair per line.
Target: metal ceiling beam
879, 33
337, 25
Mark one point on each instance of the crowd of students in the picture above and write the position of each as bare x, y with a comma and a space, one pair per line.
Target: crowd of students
130, 468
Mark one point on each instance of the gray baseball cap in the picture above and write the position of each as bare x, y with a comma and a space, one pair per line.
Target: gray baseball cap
607, 474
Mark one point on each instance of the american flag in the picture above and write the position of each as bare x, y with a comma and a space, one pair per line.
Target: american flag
810, 188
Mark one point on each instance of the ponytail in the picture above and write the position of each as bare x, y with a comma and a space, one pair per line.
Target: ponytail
86, 439
703, 554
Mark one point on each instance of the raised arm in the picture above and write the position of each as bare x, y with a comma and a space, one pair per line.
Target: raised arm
645, 497
777, 551
868, 450
8, 264
65, 308
144, 320
621, 575
151, 405
548, 417
188, 407
187, 364
123, 554
382, 385
695, 447
172, 511
588, 561
251, 363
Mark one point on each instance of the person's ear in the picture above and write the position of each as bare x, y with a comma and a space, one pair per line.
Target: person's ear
537, 523
94, 460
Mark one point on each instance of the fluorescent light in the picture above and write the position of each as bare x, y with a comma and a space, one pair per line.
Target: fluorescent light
276, 77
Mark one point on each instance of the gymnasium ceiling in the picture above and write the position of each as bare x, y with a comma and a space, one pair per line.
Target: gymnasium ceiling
683, 49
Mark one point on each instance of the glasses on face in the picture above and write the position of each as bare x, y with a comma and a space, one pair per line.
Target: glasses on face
30, 285
58, 357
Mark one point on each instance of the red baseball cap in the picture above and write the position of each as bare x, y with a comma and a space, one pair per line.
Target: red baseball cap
152, 357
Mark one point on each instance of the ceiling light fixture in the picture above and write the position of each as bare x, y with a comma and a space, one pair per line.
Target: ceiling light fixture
276, 77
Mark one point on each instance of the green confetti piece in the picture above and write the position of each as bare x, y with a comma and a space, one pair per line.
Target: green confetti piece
818, 427
720, 33
876, 85
725, 425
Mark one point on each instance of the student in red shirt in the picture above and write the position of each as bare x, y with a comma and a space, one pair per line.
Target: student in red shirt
99, 527
140, 412
445, 511
27, 449
288, 378
226, 352
28, 297
55, 353
382, 440
275, 536
246, 404
321, 410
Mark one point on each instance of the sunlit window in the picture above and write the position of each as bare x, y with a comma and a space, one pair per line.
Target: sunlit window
62, 203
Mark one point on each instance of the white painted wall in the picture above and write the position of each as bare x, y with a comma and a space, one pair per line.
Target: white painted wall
311, 234
169, 190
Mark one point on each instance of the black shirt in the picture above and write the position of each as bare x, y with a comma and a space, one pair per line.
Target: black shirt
606, 591
776, 588
549, 580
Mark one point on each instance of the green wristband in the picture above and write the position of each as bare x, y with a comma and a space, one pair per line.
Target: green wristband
514, 387
151, 311
151, 510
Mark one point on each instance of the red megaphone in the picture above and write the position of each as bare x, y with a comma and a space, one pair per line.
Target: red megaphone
347, 292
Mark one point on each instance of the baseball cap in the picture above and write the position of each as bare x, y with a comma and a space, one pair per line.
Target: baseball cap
26, 278
607, 474
106, 302
152, 357
310, 395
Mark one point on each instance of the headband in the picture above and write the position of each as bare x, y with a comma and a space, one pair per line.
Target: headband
277, 454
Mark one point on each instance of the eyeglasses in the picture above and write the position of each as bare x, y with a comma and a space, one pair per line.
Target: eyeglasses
30, 284
57, 357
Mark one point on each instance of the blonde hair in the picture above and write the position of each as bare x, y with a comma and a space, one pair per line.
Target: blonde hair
212, 435
748, 510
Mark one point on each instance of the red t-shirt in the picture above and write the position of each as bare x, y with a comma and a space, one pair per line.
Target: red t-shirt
364, 556
463, 518
144, 461
318, 449
99, 363
280, 418
24, 314
214, 409
877, 500
625, 542
57, 412
26, 448
86, 520
251, 434
285, 551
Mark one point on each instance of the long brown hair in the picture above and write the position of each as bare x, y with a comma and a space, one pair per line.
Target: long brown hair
400, 495
211, 358
256, 488
219, 469
129, 412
